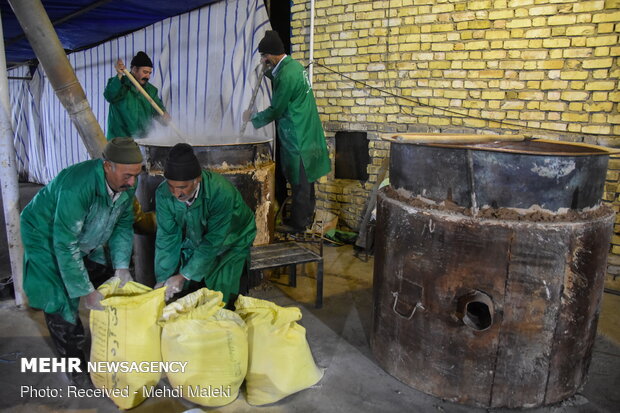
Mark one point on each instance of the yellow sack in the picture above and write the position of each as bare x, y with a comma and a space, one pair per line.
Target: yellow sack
127, 333
281, 362
214, 343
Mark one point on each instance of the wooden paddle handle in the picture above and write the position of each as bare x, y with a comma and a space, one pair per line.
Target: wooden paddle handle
151, 101
141, 90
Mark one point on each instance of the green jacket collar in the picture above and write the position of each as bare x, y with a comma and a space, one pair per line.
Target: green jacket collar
287, 59
202, 194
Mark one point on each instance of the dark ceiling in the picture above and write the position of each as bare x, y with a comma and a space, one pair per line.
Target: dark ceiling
84, 23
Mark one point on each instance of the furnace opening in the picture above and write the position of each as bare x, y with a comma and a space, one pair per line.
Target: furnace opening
479, 315
475, 309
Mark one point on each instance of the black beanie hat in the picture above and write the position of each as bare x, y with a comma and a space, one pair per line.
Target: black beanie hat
122, 150
182, 164
271, 44
141, 59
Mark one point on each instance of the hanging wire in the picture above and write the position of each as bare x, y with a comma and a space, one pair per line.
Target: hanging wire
422, 105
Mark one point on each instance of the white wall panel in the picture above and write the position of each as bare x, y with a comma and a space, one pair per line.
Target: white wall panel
205, 67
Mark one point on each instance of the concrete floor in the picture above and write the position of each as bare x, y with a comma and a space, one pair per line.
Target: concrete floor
338, 335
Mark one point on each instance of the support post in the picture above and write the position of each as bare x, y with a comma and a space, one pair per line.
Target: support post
10, 183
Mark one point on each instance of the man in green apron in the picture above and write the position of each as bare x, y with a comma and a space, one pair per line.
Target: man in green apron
205, 229
131, 115
303, 150
130, 112
64, 230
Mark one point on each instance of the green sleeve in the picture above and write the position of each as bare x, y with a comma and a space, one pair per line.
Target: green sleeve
168, 240
71, 210
115, 90
121, 240
283, 90
219, 222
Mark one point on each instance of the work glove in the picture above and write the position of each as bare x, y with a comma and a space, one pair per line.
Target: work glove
92, 301
119, 66
164, 119
247, 115
174, 285
124, 275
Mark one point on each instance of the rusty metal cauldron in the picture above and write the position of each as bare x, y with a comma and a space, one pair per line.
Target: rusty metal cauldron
480, 296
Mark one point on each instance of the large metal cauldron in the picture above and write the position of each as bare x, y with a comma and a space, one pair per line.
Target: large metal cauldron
494, 309
550, 174
246, 162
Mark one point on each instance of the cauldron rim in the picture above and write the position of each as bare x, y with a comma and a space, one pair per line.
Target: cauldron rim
258, 141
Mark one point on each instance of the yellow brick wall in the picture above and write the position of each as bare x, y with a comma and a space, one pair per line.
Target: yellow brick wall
548, 68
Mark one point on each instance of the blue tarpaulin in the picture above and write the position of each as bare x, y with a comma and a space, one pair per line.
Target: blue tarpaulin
104, 19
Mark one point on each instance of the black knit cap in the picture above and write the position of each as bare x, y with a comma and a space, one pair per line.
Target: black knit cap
122, 150
182, 164
271, 44
141, 59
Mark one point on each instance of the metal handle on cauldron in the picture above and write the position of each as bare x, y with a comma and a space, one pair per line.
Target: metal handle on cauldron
149, 99
410, 316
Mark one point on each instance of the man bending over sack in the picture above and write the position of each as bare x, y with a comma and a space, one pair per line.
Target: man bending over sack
205, 229
64, 229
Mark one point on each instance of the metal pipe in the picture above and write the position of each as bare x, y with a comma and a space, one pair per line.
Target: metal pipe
44, 41
9, 181
311, 57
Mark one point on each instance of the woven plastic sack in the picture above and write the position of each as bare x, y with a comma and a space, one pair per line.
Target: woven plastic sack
214, 343
281, 362
126, 332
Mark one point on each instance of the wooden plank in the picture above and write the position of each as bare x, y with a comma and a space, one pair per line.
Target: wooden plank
583, 283
531, 305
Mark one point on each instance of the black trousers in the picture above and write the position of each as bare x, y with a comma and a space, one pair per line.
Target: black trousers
70, 339
303, 201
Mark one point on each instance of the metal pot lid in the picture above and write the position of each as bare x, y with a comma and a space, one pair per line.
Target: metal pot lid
502, 143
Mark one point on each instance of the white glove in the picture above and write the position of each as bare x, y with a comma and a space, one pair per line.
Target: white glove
174, 284
124, 275
92, 301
